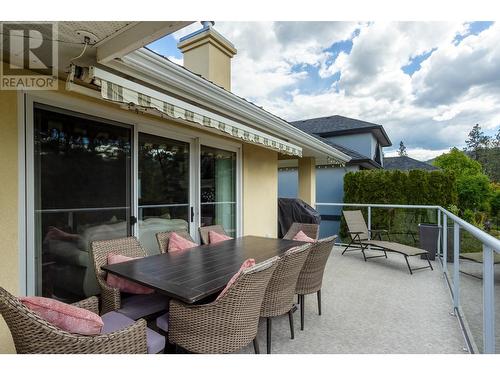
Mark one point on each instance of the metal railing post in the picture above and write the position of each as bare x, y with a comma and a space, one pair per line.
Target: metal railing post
488, 301
439, 235
456, 265
369, 222
445, 243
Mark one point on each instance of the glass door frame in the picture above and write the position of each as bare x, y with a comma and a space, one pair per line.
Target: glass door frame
29, 269
232, 147
168, 133
140, 124
195, 140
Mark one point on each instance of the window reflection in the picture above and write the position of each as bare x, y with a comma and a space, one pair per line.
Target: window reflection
163, 187
218, 188
82, 193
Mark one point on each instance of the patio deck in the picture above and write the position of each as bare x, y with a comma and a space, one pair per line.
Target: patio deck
372, 307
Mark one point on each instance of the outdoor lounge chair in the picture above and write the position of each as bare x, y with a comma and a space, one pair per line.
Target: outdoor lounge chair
205, 240
34, 335
477, 258
361, 241
310, 230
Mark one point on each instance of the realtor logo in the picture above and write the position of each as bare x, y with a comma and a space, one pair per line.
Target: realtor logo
28, 56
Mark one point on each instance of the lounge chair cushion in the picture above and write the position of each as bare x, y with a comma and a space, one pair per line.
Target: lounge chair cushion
162, 322
215, 237
301, 236
114, 321
246, 264
122, 284
396, 247
66, 317
177, 243
141, 305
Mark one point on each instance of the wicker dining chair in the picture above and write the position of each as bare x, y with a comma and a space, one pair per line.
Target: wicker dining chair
280, 291
34, 335
135, 306
227, 324
205, 238
310, 230
311, 276
164, 237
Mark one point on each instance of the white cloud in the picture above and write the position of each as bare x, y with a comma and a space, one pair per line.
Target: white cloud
269, 51
454, 70
456, 87
419, 153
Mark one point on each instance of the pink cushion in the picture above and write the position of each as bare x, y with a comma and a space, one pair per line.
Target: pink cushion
66, 317
122, 284
176, 243
301, 236
215, 237
246, 264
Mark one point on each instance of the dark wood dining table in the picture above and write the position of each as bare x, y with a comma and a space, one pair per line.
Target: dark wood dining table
194, 274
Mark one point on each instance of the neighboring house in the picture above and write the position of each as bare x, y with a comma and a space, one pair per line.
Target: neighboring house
362, 141
405, 163
130, 143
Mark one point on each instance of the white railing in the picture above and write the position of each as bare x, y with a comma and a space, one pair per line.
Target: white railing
490, 246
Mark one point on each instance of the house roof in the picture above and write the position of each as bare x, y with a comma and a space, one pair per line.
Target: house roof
405, 163
356, 157
340, 125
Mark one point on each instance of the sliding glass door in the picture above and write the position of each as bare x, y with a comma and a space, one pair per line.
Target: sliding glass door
163, 188
90, 178
82, 192
218, 188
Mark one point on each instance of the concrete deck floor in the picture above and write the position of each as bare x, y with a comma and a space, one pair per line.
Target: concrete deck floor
372, 307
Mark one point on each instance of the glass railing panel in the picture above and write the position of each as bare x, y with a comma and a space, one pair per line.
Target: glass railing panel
471, 285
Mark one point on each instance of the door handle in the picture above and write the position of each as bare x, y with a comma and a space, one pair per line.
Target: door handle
133, 220
192, 213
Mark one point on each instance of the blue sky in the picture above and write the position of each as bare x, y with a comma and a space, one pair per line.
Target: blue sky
415, 78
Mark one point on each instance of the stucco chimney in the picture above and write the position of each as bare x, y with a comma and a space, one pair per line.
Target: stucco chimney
208, 53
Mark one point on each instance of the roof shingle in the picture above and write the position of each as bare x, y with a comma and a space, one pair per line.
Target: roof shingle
405, 163
337, 125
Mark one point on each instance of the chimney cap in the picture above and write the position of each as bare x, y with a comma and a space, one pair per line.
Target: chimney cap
207, 24
203, 35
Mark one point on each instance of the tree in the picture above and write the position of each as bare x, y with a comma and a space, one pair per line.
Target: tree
457, 162
476, 142
495, 201
473, 186
402, 149
496, 140
474, 192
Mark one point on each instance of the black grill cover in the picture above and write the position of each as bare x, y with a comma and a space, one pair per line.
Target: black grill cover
294, 210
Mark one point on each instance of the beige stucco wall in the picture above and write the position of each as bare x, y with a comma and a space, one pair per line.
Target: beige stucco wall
209, 54
260, 191
211, 63
307, 180
9, 249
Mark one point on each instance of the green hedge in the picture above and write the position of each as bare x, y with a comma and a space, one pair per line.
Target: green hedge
397, 187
